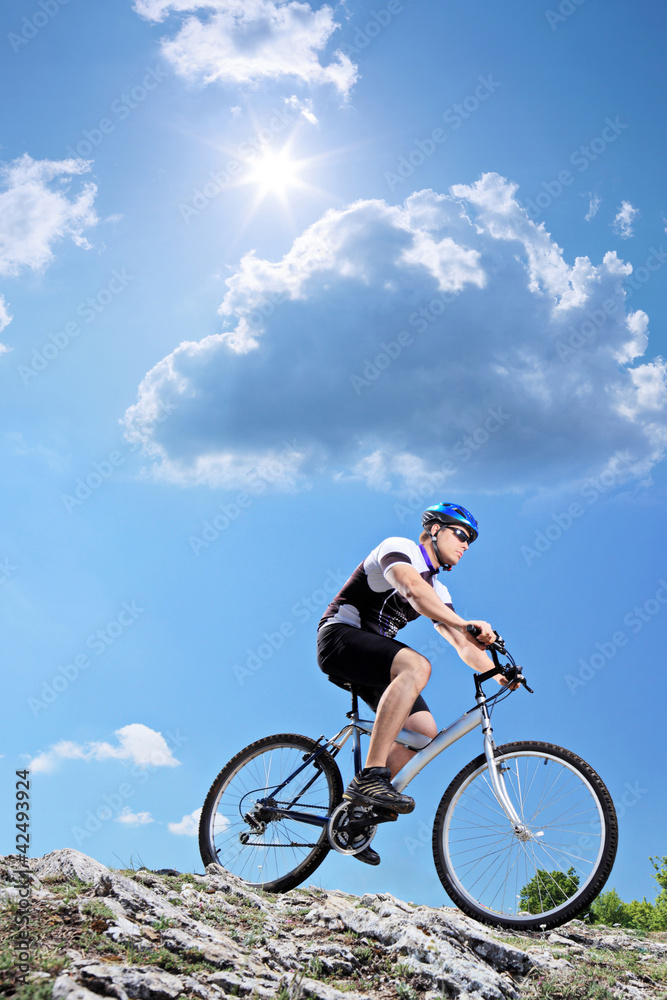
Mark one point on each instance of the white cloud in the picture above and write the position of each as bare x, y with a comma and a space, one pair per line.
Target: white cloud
303, 108
594, 202
137, 743
188, 826
134, 819
247, 41
5, 318
624, 220
37, 211
379, 344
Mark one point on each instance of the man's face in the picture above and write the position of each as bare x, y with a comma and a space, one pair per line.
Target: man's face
452, 543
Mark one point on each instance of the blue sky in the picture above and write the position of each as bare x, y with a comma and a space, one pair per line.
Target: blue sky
222, 391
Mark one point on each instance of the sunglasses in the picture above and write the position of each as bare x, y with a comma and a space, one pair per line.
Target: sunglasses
460, 534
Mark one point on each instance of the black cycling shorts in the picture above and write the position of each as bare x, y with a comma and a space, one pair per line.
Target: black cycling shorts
352, 655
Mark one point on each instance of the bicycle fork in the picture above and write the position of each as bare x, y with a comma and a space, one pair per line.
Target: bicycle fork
496, 773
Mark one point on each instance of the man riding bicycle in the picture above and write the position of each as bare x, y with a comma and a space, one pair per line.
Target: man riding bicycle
396, 584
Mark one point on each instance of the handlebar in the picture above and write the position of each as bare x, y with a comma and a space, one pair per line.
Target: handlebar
511, 671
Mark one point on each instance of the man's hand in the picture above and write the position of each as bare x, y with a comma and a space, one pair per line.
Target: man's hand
487, 634
505, 683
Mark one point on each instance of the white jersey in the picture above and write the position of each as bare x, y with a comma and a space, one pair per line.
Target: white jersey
369, 602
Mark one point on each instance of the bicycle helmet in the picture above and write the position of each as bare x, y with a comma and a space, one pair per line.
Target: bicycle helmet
451, 513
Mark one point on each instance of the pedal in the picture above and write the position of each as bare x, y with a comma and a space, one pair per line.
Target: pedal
384, 816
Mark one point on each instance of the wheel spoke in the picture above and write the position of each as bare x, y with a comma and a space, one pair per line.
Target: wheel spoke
531, 875
250, 833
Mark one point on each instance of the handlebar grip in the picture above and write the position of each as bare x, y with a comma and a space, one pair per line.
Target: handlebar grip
473, 630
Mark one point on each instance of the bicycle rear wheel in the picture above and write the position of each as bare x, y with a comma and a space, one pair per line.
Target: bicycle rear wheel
245, 824
549, 870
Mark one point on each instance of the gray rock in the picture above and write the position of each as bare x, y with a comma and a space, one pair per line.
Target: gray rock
70, 865
146, 982
218, 938
65, 986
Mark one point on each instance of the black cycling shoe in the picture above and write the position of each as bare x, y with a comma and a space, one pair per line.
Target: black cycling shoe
373, 787
368, 856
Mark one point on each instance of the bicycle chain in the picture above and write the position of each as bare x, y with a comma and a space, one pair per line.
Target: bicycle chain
249, 843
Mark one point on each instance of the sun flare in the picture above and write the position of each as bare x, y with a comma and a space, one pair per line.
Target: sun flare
274, 173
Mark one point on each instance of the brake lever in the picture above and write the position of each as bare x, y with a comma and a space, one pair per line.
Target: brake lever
514, 675
521, 679
499, 643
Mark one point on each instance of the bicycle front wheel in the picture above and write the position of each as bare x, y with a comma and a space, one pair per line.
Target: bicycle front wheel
548, 869
254, 819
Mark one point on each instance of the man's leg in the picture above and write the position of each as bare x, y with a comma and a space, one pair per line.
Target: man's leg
410, 672
420, 722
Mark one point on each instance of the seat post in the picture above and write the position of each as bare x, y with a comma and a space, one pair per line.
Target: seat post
356, 735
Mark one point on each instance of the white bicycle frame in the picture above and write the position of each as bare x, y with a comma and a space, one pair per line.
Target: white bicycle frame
426, 750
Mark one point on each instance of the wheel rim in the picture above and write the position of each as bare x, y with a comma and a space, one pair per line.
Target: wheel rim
546, 865
246, 840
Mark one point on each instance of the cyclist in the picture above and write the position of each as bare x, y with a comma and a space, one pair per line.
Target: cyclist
396, 584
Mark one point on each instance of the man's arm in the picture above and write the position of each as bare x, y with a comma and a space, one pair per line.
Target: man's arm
410, 585
475, 657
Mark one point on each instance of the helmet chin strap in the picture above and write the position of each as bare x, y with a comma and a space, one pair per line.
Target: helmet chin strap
434, 542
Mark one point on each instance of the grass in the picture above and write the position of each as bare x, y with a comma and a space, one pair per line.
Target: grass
40, 990
598, 976
76, 919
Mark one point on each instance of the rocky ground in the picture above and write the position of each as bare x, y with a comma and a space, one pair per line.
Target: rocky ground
98, 932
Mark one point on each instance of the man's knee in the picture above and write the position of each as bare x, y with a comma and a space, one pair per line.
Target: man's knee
413, 663
422, 669
424, 723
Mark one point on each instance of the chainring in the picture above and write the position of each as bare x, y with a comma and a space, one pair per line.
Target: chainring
350, 828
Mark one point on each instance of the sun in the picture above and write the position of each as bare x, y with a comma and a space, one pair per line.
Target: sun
275, 172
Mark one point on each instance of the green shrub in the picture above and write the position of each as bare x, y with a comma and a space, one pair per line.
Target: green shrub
609, 909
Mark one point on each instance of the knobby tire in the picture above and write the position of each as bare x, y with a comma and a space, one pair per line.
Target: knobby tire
287, 851
496, 877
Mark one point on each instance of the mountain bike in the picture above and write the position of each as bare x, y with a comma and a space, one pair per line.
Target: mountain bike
524, 837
